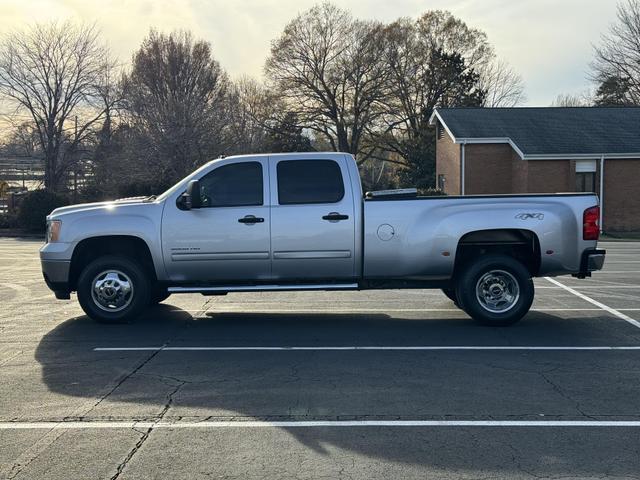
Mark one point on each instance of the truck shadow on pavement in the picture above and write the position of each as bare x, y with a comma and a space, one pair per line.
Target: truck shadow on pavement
359, 385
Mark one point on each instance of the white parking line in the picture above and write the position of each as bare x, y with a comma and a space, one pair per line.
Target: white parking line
635, 287
319, 423
241, 309
236, 308
617, 272
582, 287
362, 347
604, 307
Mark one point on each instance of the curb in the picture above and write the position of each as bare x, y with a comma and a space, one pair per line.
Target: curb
14, 233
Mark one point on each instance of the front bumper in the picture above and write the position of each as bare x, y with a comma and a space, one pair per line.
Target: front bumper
592, 260
56, 275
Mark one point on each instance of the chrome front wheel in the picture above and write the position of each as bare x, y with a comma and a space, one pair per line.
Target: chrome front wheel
112, 290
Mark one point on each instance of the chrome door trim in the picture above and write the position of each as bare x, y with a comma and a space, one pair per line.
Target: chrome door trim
187, 257
313, 254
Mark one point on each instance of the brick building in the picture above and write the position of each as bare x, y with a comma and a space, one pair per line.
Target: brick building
544, 150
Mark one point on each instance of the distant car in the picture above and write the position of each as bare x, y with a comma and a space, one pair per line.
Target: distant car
299, 221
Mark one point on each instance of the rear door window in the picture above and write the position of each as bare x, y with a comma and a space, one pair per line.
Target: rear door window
309, 181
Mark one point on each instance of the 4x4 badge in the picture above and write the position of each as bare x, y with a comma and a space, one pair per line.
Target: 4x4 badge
527, 216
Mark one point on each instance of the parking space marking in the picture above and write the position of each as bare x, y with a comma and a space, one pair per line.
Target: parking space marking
617, 272
223, 308
604, 307
383, 310
626, 287
363, 347
241, 308
314, 424
636, 287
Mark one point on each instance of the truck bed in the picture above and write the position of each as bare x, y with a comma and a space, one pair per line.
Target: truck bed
418, 237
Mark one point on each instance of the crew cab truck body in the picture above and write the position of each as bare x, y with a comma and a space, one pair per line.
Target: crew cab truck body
299, 221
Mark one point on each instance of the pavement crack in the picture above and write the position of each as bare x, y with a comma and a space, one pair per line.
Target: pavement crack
516, 455
146, 433
124, 379
32, 453
164, 378
132, 452
564, 395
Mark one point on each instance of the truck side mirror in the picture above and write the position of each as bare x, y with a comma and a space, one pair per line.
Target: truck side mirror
191, 198
193, 191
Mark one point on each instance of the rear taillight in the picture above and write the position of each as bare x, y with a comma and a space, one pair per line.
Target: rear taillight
590, 223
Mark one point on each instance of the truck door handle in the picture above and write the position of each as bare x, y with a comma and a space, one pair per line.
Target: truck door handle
335, 216
250, 219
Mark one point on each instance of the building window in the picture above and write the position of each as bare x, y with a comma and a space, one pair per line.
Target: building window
440, 130
585, 182
585, 176
441, 182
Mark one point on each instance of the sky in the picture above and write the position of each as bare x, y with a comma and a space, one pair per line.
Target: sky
549, 42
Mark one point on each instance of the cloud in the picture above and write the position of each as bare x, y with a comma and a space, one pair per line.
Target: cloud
547, 41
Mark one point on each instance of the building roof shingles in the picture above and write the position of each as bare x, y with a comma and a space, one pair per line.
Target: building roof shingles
551, 130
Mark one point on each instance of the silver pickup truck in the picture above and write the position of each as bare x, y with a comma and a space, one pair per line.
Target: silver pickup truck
299, 221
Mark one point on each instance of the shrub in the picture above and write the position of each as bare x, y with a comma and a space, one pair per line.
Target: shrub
431, 192
141, 188
7, 220
34, 208
91, 193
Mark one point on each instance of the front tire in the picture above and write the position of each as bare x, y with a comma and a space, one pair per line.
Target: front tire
113, 289
450, 293
495, 290
159, 295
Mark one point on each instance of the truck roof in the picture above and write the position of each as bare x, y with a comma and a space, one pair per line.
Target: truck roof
306, 155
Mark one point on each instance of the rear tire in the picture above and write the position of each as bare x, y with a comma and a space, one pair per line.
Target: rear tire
495, 290
113, 289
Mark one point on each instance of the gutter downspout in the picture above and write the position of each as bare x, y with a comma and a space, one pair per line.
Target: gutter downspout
601, 192
462, 168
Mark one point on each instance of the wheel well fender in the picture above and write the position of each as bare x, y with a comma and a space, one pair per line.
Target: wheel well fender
91, 248
521, 244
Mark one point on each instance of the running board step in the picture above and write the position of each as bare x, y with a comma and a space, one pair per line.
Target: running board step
264, 288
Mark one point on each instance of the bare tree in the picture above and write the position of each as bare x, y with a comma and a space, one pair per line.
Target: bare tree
440, 30
573, 100
54, 72
23, 139
327, 67
618, 55
423, 73
175, 96
504, 87
429, 65
250, 107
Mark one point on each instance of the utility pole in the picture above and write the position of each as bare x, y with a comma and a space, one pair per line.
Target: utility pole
75, 163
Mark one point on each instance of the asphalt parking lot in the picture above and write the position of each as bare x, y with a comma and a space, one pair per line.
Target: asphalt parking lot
277, 385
